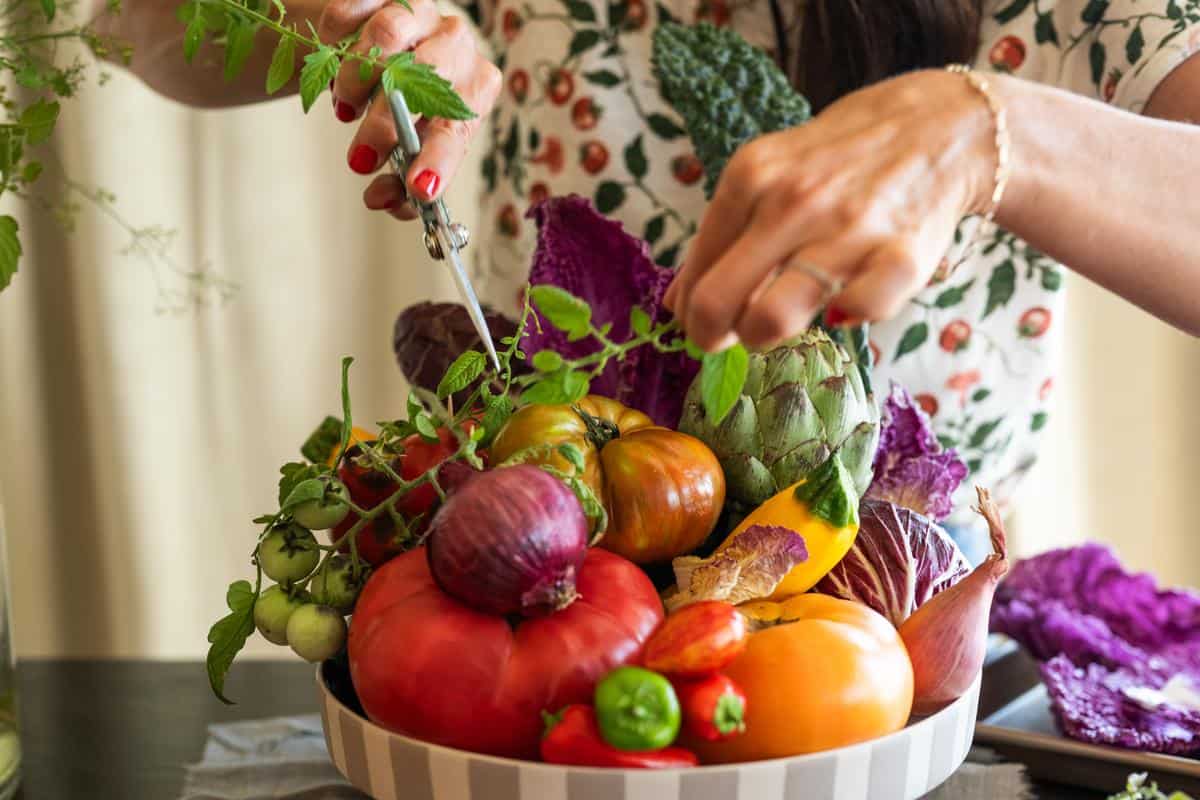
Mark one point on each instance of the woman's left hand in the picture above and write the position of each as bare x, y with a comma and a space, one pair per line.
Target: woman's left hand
868, 193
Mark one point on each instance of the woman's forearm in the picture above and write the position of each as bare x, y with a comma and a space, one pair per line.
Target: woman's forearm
1111, 194
155, 34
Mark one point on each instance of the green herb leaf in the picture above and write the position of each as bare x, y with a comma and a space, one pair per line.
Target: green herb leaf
228, 636
635, 158
38, 121
547, 361
283, 65
320, 67
465, 370
722, 376
639, 321
602, 77
1001, 286
561, 309
912, 338
10, 250
427, 93
239, 43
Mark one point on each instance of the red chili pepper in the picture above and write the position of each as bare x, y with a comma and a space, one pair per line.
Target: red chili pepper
573, 738
714, 708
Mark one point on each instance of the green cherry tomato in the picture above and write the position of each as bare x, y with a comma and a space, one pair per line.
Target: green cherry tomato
336, 585
327, 512
288, 554
637, 709
272, 611
316, 633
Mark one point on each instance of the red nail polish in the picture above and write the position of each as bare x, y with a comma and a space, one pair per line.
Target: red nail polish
834, 316
363, 159
345, 112
428, 182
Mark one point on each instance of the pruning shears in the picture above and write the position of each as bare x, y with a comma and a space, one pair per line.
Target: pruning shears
444, 239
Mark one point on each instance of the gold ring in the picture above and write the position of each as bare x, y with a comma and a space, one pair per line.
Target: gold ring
830, 287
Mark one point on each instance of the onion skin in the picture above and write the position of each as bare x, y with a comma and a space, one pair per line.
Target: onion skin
947, 636
509, 541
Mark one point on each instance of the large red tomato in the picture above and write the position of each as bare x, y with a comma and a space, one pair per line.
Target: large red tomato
427, 666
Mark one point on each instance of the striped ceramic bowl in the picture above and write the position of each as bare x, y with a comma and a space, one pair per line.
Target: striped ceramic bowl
903, 766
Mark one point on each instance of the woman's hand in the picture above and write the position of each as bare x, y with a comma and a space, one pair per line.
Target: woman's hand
445, 42
869, 193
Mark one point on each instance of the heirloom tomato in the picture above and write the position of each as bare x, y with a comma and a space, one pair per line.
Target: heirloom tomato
427, 666
663, 490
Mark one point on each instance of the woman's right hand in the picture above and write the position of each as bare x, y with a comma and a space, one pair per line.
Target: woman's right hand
448, 44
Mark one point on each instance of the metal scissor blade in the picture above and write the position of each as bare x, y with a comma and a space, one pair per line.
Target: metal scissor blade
467, 293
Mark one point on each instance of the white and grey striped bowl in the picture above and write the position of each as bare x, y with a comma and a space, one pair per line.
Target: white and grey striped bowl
902, 766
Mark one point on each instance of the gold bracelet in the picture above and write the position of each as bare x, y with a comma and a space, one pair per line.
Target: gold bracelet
1003, 158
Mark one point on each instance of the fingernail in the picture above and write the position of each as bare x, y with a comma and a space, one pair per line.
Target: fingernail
834, 317
345, 112
428, 182
363, 159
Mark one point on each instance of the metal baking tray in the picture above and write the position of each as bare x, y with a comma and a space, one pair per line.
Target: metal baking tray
1016, 722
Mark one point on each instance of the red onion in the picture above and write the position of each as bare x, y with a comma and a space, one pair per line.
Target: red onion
509, 541
947, 636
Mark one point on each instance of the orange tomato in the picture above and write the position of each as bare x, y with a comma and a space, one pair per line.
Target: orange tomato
357, 436
819, 673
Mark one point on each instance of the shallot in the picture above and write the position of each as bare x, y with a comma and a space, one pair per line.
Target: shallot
947, 636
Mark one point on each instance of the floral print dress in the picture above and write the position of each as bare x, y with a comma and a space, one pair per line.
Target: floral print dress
581, 114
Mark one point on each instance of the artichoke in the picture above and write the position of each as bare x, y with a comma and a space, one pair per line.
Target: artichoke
802, 402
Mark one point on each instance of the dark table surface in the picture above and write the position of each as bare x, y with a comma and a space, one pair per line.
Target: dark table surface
124, 730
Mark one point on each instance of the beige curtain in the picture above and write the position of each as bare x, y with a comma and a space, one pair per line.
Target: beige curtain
135, 447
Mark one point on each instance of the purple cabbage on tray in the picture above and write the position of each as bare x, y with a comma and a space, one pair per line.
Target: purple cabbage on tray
595, 259
900, 559
911, 468
1101, 632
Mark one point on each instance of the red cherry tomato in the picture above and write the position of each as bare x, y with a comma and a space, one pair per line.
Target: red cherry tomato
955, 336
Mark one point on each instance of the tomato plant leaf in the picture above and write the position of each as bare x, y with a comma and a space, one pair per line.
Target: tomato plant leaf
10, 250
38, 120
426, 93
283, 65
292, 475
465, 370
303, 492
546, 361
562, 309
320, 67
228, 635
239, 43
722, 376
639, 321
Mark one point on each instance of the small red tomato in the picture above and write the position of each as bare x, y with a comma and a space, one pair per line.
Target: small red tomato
511, 24
560, 87
1034, 322
538, 193
551, 156
687, 169
955, 336
928, 403
1008, 54
1110, 85
635, 15
714, 708
510, 225
697, 640
962, 382
518, 85
1047, 387
585, 113
593, 156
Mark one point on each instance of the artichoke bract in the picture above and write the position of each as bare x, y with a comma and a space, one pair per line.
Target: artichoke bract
803, 402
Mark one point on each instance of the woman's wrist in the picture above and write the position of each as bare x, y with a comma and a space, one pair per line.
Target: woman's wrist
983, 110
